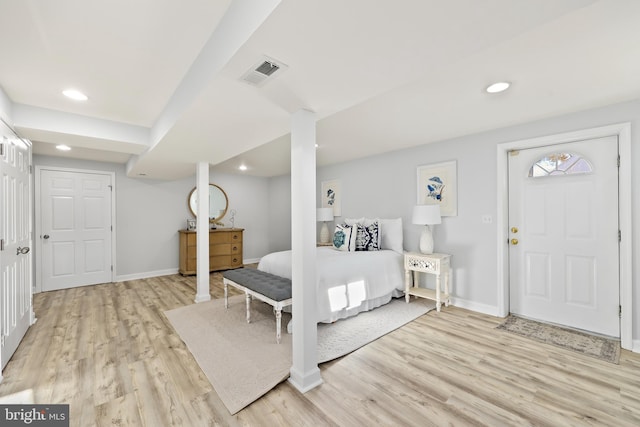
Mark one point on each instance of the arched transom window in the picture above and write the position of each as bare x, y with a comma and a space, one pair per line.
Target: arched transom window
560, 164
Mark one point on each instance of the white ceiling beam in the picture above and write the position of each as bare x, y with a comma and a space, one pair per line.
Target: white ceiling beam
238, 24
41, 124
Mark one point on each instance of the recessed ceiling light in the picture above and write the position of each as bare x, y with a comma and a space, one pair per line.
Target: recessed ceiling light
63, 147
75, 94
498, 87
242, 167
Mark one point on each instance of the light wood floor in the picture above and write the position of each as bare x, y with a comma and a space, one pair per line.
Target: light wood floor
109, 352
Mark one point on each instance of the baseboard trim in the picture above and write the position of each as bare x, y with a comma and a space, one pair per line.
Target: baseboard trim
491, 310
146, 275
167, 272
636, 346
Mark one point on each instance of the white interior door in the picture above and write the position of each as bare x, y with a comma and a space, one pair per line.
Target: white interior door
15, 255
75, 228
564, 261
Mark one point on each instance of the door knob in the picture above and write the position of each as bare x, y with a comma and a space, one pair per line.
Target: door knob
514, 229
514, 241
22, 251
45, 237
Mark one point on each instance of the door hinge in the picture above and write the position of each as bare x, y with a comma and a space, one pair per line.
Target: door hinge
110, 187
1, 244
619, 311
112, 268
30, 169
2, 149
619, 236
618, 160
2, 341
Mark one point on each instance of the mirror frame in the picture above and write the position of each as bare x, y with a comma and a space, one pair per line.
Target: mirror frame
212, 187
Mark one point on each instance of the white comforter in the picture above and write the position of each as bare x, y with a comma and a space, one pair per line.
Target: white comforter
347, 282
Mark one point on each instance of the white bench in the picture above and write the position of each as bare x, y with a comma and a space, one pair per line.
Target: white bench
267, 287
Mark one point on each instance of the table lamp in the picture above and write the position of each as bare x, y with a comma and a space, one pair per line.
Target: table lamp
324, 215
426, 215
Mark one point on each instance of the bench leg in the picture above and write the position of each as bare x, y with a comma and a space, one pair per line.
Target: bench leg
226, 296
248, 298
278, 325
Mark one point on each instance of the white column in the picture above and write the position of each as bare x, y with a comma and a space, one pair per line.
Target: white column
202, 230
305, 374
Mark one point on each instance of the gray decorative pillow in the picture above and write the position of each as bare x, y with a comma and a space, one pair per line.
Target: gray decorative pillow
344, 238
367, 237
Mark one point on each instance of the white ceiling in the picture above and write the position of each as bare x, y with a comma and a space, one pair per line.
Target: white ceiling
163, 77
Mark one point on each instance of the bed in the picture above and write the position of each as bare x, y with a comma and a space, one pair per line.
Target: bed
349, 281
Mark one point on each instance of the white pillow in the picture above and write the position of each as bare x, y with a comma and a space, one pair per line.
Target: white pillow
344, 238
354, 221
390, 233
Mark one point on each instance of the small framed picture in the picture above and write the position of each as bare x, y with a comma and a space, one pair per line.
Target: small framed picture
437, 185
191, 224
331, 192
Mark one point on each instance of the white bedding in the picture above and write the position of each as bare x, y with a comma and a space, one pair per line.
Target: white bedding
347, 282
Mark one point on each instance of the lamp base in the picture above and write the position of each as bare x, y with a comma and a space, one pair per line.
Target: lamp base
426, 240
324, 233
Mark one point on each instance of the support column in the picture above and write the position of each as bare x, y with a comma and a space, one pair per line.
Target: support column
305, 374
202, 231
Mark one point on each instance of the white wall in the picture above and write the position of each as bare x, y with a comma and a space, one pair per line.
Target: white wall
280, 213
5, 108
149, 214
385, 186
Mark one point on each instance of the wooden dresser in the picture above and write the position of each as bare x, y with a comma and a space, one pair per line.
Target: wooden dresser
225, 250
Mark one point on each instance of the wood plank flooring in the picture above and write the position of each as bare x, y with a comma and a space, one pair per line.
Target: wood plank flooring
109, 352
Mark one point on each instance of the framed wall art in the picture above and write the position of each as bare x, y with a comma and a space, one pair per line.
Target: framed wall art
437, 185
331, 193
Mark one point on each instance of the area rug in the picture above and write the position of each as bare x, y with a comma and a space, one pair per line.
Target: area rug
344, 336
243, 362
602, 348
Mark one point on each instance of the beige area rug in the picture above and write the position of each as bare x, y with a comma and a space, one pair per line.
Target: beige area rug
243, 362
602, 348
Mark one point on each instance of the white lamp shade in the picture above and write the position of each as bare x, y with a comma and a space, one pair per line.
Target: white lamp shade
426, 215
324, 214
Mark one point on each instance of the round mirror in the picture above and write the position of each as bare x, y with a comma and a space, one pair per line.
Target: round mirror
218, 202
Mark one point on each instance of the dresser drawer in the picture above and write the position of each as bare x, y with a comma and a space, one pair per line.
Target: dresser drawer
220, 249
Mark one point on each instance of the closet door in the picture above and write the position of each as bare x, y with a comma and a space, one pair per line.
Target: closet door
76, 230
16, 312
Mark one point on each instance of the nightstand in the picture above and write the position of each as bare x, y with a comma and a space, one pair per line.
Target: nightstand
437, 264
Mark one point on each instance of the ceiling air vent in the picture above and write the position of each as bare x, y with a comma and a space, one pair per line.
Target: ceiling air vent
262, 71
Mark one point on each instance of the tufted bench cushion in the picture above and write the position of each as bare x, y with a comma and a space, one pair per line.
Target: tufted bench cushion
271, 286
267, 287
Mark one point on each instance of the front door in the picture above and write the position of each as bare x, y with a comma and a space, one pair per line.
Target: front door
16, 311
75, 228
563, 221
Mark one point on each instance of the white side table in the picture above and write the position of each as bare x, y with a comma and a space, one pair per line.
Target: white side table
438, 264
